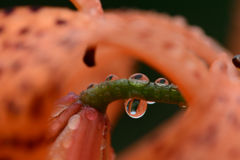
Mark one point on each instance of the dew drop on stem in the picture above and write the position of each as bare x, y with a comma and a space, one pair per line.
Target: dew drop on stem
111, 77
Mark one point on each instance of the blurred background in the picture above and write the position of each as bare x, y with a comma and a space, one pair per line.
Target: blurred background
213, 16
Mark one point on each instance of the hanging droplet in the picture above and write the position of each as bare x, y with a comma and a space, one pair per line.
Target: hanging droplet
135, 108
181, 105
161, 82
91, 85
138, 79
111, 77
236, 61
151, 102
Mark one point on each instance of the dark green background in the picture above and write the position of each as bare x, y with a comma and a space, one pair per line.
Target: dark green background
211, 15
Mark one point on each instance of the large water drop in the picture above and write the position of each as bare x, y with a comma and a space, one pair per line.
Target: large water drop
138, 79
135, 108
111, 77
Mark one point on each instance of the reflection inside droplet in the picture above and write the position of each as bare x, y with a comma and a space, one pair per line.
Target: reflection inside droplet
111, 77
135, 108
91, 85
161, 82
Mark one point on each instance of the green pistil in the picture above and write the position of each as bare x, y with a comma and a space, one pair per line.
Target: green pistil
103, 94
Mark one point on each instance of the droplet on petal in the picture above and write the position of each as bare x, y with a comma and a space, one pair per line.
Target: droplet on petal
91, 114
135, 108
57, 110
138, 79
161, 82
73, 122
67, 142
111, 77
105, 130
103, 144
91, 85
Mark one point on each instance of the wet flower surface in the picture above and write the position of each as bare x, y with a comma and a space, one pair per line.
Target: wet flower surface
56, 51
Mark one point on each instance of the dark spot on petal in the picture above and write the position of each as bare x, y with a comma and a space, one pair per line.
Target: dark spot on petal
19, 45
1, 70
1, 29
168, 45
35, 142
35, 8
39, 34
234, 120
25, 86
6, 44
8, 11
16, 66
234, 153
222, 98
207, 137
6, 158
89, 57
223, 66
196, 74
24, 31
238, 100
13, 108
60, 22
36, 110
16, 141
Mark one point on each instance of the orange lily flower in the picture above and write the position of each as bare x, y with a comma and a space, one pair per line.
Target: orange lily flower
55, 52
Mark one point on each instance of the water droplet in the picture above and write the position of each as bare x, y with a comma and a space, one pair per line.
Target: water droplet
117, 91
67, 142
57, 110
135, 108
105, 130
91, 114
236, 61
104, 85
91, 85
111, 77
103, 144
138, 79
107, 96
161, 82
93, 98
151, 102
182, 105
83, 94
73, 122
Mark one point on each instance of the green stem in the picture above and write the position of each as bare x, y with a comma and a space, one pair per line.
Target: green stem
103, 94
